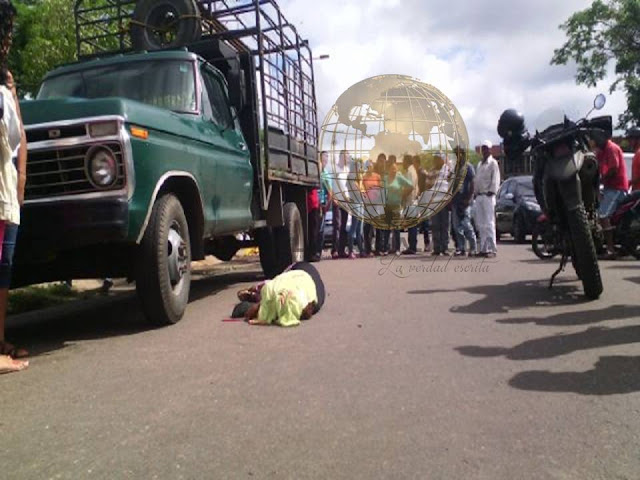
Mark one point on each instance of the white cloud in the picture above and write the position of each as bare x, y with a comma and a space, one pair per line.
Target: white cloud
486, 56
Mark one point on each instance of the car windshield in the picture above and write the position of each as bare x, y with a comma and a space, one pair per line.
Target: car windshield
525, 189
166, 84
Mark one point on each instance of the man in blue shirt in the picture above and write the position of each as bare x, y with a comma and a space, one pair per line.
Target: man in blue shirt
461, 214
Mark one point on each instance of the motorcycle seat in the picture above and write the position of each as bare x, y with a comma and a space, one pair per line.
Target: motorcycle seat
631, 197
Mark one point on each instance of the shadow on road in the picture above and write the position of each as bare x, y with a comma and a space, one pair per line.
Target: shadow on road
610, 376
514, 296
557, 345
613, 312
633, 279
106, 317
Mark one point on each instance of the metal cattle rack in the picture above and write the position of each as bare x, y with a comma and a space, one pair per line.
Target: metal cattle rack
279, 81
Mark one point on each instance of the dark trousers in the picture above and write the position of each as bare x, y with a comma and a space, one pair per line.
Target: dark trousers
382, 240
440, 227
413, 235
339, 238
314, 229
395, 240
367, 238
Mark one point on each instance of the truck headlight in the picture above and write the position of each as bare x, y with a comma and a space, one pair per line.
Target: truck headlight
101, 167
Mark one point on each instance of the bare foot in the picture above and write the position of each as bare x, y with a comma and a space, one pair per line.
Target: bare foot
9, 365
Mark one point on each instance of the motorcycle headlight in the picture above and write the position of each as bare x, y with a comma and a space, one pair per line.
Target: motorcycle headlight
101, 167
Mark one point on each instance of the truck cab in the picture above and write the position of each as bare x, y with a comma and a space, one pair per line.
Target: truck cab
141, 161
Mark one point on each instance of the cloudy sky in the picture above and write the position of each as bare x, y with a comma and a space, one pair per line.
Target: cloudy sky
486, 55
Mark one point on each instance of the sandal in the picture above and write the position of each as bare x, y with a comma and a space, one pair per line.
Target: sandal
7, 349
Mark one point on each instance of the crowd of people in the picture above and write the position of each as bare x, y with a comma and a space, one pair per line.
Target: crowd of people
388, 192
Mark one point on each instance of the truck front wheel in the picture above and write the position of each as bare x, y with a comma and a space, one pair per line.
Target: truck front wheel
163, 273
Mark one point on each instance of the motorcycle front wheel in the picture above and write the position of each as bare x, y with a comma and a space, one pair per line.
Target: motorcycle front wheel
584, 258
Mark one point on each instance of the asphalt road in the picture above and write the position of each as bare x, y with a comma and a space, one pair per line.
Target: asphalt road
423, 372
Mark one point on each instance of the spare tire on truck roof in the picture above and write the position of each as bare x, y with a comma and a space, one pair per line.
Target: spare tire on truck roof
157, 24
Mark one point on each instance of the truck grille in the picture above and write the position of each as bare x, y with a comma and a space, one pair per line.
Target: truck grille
61, 171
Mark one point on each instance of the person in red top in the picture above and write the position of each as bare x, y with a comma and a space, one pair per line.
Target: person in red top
634, 139
613, 176
313, 209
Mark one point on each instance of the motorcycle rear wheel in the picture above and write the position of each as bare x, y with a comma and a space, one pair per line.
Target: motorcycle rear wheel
584, 258
538, 245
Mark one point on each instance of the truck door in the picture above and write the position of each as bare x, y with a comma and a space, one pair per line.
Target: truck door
229, 158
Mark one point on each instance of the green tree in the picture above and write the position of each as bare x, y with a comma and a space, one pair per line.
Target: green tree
44, 38
607, 32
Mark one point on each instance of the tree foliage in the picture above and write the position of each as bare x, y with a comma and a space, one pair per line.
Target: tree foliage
606, 33
44, 38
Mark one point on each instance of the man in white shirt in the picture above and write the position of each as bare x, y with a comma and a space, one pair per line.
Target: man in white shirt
486, 184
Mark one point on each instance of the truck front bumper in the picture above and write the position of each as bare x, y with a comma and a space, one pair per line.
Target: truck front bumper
74, 223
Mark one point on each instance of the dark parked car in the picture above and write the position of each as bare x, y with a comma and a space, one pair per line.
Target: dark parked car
516, 208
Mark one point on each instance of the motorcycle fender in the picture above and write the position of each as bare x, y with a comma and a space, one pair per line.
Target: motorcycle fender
571, 193
561, 169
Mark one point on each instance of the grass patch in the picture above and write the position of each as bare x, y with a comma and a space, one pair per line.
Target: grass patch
36, 297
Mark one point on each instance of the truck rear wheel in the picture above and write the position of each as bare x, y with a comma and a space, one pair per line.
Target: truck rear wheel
163, 274
158, 24
282, 246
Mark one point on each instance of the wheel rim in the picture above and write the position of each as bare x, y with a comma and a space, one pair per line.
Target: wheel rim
162, 24
541, 247
177, 257
297, 245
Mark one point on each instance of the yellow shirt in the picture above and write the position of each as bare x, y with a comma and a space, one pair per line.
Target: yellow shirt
284, 298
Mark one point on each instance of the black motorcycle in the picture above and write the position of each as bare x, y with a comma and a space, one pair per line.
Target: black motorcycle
566, 184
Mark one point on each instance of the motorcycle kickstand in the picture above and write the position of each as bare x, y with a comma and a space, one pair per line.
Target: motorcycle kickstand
563, 264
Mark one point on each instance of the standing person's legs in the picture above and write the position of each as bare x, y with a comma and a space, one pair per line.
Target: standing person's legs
479, 217
426, 227
313, 226
456, 219
446, 226
335, 234
368, 238
491, 226
385, 240
6, 261
413, 240
436, 230
468, 232
395, 242
342, 242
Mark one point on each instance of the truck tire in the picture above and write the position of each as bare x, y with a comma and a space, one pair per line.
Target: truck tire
289, 239
163, 273
584, 258
267, 250
176, 22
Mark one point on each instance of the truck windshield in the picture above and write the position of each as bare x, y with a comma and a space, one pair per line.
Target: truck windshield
166, 84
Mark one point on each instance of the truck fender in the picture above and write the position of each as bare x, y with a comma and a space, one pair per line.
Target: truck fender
185, 187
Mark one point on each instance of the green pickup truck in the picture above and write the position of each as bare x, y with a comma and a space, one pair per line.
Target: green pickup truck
184, 124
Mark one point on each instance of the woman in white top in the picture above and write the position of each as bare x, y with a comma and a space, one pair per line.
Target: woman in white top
13, 161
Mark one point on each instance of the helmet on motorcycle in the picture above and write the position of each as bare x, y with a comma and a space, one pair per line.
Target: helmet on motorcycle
511, 124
